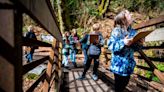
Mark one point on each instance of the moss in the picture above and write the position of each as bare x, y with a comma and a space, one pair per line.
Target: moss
32, 76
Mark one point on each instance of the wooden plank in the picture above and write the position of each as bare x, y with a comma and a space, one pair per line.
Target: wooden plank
33, 42
156, 59
156, 35
159, 75
6, 4
145, 68
41, 12
18, 21
49, 69
7, 61
150, 22
143, 55
156, 72
154, 47
34, 64
34, 85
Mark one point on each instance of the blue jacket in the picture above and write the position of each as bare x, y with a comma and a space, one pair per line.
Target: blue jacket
84, 41
122, 61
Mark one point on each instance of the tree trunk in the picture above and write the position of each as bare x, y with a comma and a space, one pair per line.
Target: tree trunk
61, 24
102, 8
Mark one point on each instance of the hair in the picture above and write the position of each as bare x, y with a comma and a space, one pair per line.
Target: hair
121, 20
96, 26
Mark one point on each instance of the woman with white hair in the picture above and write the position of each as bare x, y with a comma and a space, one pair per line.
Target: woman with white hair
120, 44
94, 52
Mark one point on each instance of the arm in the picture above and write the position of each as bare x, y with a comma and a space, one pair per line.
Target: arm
116, 43
101, 43
85, 38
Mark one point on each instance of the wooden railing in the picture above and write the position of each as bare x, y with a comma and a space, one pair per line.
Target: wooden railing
11, 41
142, 55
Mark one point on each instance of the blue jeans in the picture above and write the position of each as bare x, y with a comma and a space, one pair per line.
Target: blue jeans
29, 57
65, 60
85, 55
73, 56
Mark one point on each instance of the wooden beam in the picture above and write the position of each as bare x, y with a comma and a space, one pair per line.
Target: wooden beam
150, 22
154, 47
41, 12
34, 85
149, 62
155, 59
33, 42
33, 64
49, 68
144, 68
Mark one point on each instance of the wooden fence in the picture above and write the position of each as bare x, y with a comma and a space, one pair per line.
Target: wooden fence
11, 41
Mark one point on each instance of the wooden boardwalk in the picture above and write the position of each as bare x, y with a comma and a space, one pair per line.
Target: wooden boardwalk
72, 84
105, 83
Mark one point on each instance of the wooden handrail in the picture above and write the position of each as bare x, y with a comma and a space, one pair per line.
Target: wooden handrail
12, 41
34, 85
33, 42
150, 22
155, 71
144, 68
46, 19
34, 64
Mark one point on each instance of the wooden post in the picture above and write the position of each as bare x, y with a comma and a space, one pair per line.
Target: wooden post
49, 68
60, 55
57, 67
18, 21
156, 71
11, 50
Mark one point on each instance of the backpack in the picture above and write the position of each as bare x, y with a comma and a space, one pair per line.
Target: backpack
94, 50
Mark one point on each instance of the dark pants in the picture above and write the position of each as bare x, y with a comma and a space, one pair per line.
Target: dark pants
88, 63
120, 82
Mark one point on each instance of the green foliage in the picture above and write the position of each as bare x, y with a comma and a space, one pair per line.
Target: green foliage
91, 7
148, 74
32, 76
138, 5
155, 79
160, 66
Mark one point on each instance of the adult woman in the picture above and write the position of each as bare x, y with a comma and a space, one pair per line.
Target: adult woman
94, 52
66, 48
120, 44
74, 38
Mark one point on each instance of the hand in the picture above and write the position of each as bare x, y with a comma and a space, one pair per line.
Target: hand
128, 41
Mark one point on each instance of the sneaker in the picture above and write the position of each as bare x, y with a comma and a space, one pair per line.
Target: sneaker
81, 78
94, 77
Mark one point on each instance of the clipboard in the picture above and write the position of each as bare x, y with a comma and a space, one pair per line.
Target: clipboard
140, 35
93, 38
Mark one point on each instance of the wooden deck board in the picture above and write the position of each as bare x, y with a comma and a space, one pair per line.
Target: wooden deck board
87, 85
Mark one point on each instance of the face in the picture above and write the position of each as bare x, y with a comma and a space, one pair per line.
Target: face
128, 17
